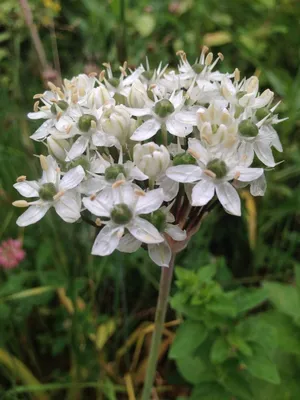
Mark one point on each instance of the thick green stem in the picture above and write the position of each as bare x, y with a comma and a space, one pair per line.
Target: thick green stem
161, 308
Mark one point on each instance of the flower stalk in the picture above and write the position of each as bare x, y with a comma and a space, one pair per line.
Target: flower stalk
160, 315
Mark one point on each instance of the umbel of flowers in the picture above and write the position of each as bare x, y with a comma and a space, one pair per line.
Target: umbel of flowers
148, 152
144, 155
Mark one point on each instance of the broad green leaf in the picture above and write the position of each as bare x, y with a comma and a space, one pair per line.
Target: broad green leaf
284, 297
257, 330
235, 382
205, 274
210, 391
261, 367
224, 306
248, 299
240, 344
195, 370
189, 336
220, 350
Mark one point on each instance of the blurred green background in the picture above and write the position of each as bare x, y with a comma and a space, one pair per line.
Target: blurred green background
73, 326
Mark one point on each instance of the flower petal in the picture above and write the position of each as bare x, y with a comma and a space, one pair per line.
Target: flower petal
184, 173
259, 186
77, 148
229, 198
249, 174
144, 231
160, 254
129, 244
72, 178
178, 128
151, 201
175, 232
101, 205
43, 130
68, 206
264, 153
28, 188
107, 241
33, 214
202, 192
199, 151
146, 130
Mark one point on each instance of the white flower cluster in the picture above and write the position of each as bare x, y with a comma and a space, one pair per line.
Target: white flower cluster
143, 156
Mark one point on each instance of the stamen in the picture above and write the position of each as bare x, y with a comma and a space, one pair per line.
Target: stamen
118, 183
38, 96
36, 106
194, 153
21, 178
140, 193
44, 164
210, 173
237, 175
92, 197
98, 221
58, 195
20, 203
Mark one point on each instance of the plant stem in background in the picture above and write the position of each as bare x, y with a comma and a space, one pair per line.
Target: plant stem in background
34, 34
121, 34
161, 308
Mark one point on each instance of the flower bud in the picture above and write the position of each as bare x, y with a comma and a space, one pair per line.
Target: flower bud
248, 128
58, 147
121, 214
116, 121
47, 191
261, 113
85, 122
137, 95
183, 158
98, 97
163, 108
218, 167
61, 105
151, 158
112, 172
157, 218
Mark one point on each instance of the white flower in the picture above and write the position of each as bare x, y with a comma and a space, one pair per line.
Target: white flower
111, 173
160, 253
52, 192
123, 205
116, 121
122, 84
166, 114
151, 159
217, 125
213, 174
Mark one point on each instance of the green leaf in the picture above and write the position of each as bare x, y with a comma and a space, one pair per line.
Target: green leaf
205, 274
220, 350
288, 334
284, 297
240, 344
261, 367
189, 336
224, 306
234, 381
195, 370
210, 391
248, 299
257, 330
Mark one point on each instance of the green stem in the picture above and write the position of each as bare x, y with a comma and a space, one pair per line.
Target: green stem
161, 308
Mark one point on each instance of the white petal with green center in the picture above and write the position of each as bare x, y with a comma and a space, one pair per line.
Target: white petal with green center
129, 244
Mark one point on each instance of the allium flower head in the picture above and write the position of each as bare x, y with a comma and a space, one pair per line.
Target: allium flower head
144, 154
